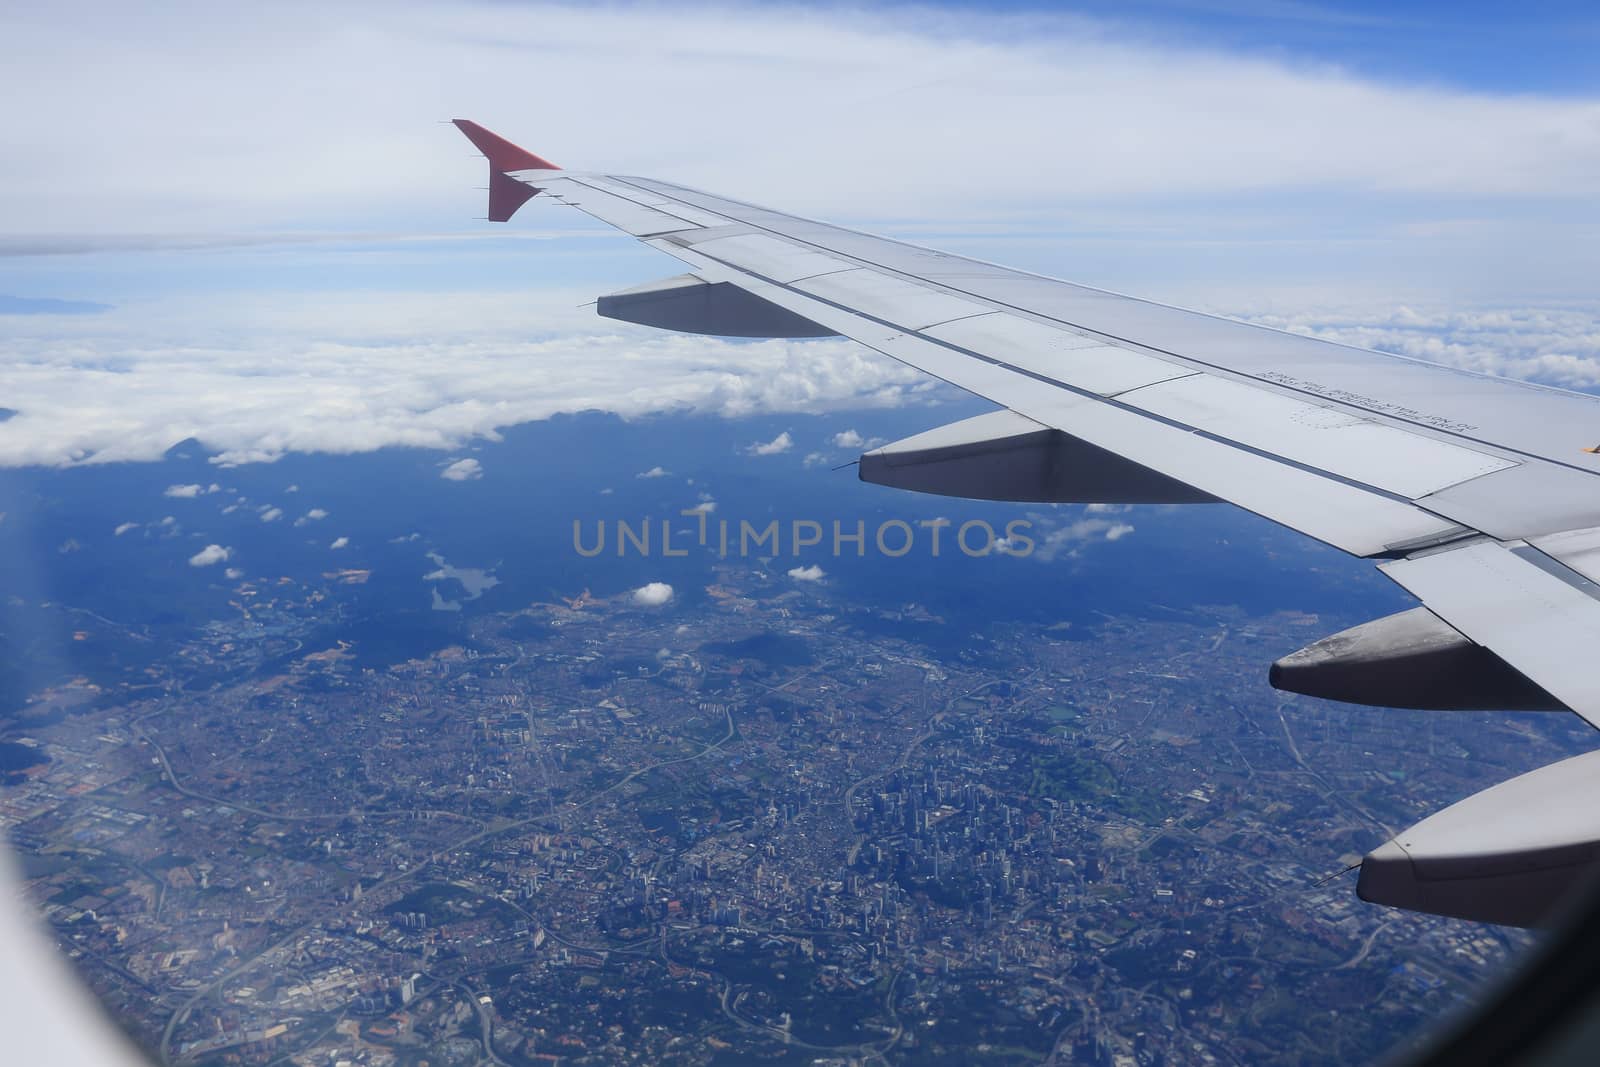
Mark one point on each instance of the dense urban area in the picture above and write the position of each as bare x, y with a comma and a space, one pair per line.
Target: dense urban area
766, 826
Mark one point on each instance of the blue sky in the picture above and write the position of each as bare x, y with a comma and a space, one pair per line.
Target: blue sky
1546, 47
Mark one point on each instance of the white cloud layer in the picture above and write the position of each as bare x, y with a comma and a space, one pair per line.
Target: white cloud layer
652, 594
345, 373
1127, 115
340, 372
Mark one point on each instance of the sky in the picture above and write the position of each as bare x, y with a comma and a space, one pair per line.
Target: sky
252, 226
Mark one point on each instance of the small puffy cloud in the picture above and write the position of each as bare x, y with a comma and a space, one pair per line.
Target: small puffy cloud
184, 492
705, 506
812, 573
314, 515
292, 489
209, 555
233, 573
271, 514
339, 542
652, 594
853, 441
1068, 539
123, 528
462, 470
779, 444
653, 472
815, 459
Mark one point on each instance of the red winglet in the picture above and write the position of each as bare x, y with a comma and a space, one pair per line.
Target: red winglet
506, 194
502, 154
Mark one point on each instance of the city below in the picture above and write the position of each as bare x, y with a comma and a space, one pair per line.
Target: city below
769, 826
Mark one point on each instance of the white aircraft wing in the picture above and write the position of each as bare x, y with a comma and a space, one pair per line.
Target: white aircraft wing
1480, 494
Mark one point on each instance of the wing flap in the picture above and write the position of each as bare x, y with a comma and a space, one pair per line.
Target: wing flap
893, 300
1523, 609
1339, 442
1057, 353
770, 258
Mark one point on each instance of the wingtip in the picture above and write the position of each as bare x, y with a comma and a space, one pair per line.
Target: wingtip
501, 153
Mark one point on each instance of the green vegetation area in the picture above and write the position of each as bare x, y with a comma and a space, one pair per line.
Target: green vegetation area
1073, 776
442, 902
780, 980
970, 1027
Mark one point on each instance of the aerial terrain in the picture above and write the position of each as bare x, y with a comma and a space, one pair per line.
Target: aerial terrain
366, 759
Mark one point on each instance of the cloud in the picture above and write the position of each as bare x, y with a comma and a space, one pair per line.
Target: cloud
209, 555
813, 573
233, 573
124, 527
336, 373
1057, 539
779, 444
1557, 345
339, 542
815, 459
314, 515
462, 470
271, 514
23, 305
848, 439
653, 472
808, 88
184, 492
652, 594
256, 378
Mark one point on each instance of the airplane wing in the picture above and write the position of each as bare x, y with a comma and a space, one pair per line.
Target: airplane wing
1480, 495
